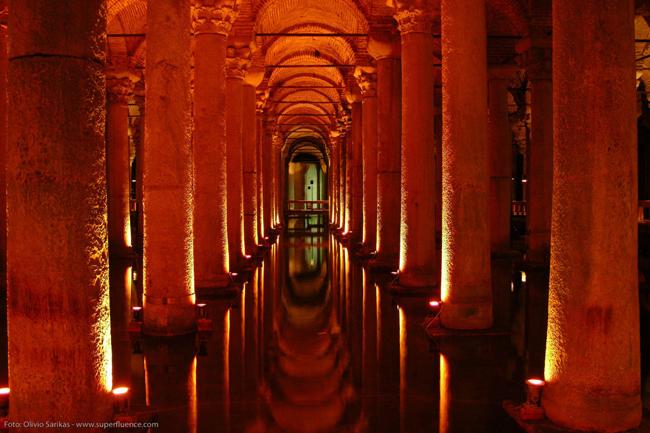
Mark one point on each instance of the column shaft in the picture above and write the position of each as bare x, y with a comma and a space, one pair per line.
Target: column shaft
259, 166
118, 167
267, 178
540, 171
234, 114
3, 148
389, 130
500, 149
466, 284
168, 172
210, 197
355, 170
418, 261
342, 183
249, 149
593, 293
57, 237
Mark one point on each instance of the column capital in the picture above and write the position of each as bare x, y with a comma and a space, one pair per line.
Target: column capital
413, 16
384, 43
237, 62
536, 56
261, 97
367, 79
215, 18
120, 86
278, 139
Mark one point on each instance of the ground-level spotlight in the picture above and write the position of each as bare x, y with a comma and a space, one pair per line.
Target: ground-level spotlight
433, 318
201, 311
532, 409
4, 401
121, 399
523, 276
136, 314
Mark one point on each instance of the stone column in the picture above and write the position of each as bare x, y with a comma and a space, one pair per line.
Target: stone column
237, 63
120, 90
354, 170
343, 204
267, 177
168, 172
367, 79
3, 139
540, 152
385, 49
259, 179
500, 153
334, 175
211, 22
57, 237
249, 160
275, 162
466, 288
418, 261
593, 293
139, 168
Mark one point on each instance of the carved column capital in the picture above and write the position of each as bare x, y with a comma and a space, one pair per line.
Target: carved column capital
216, 18
278, 139
237, 62
120, 86
260, 102
367, 79
414, 20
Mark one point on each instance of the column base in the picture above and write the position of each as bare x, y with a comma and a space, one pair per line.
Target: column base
170, 319
365, 252
413, 285
383, 263
213, 286
474, 315
124, 253
577, 408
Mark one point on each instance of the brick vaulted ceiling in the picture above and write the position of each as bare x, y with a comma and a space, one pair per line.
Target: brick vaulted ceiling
295, 93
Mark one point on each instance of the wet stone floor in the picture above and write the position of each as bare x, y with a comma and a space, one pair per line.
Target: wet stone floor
314, 344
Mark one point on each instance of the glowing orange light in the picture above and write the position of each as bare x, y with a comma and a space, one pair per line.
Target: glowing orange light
434, 304
536, 382
122, 390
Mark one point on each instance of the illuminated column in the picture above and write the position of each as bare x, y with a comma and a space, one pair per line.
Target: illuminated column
120, 91
500, 153
139, 170
58, 313
593, 293
275, 161
540, 152
249, 161
168, 202
334, 175
236, 65
417, 234
211, 23
466, 284
355, 171
386, 51
260, 135
3, 138
342, 179
367, 80
267, 177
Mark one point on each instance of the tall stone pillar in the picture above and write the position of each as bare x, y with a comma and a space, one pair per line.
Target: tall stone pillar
540, 152
466, 287
260, 135
500, 154
139, 168
3, 139
237, 63
267, 178
418, 261
168, 173
275, 162
211, 22
120, 91
58, 309
367, 79
385, 48
354, 170
249, 161
343, 204
593, 293
334, 175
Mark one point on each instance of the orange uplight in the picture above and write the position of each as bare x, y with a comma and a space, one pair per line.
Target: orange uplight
434, 304
535, 382
122, 390
4, 401
4, 391
534, 391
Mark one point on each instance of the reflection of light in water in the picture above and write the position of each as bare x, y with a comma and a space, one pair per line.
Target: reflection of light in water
226, 364
192, 404
444, 395
378, 312
402, 366
146, 380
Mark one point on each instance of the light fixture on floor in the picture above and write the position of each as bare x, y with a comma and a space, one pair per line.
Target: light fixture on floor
4, 401
136, 314
120, 399
201, 311
532, 409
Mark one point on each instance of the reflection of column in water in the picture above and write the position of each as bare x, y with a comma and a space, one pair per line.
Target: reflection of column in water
171, 381
355, 328
251, 337
501, 280
369, 352
536, 319
120, 299
388, 359
473, 385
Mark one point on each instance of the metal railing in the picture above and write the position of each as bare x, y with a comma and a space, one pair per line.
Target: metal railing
519, 208
308, 205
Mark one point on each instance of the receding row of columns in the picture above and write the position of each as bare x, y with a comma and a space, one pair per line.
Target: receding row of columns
581, 183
